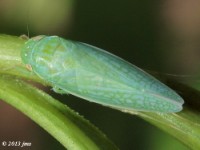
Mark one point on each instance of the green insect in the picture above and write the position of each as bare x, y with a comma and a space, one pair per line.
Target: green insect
97, 76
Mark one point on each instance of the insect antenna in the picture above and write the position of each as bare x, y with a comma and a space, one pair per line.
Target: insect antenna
28, 19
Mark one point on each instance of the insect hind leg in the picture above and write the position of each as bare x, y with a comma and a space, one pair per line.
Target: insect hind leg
59, 90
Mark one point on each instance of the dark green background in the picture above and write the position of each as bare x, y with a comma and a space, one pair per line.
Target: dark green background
130, 29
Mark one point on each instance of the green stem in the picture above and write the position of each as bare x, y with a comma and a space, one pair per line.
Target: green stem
10, 59
70, 129
185, 125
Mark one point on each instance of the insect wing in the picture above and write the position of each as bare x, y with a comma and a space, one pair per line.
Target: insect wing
107, 79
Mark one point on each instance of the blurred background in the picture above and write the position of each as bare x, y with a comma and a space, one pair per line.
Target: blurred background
161, 36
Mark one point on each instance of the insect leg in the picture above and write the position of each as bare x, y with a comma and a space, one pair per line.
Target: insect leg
24, 37
59, 90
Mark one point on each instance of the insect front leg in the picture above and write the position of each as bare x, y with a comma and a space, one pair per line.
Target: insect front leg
28, 67
24, 37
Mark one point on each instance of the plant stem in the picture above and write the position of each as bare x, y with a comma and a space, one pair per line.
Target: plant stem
184, 125
70, 129
10, 59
